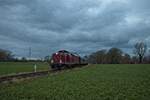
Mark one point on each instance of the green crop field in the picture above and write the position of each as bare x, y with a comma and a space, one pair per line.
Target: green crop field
94, 82
19, 67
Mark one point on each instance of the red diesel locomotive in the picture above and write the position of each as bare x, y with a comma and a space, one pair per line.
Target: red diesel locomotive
64, 58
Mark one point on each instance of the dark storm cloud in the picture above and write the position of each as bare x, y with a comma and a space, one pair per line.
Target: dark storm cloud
81, 26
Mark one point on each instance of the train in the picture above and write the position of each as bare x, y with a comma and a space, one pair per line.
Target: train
66, 59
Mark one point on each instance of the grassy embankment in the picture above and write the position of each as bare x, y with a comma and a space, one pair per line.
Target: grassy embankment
95, 82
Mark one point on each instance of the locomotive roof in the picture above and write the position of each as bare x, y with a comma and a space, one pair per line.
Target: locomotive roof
65, 51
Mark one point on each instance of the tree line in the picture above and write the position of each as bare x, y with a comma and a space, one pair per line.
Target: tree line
117, 56
6, 55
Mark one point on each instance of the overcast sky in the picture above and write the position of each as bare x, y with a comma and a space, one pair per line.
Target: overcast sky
81, 26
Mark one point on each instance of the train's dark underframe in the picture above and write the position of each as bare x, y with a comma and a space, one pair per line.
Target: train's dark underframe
60, 66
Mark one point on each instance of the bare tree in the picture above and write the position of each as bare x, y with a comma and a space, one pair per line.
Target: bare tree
114, 56
140, 50
5, 55
126, 59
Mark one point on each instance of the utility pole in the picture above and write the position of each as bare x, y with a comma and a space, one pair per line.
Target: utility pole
29, 52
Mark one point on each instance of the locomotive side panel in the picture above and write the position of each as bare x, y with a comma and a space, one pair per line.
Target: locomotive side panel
65, 58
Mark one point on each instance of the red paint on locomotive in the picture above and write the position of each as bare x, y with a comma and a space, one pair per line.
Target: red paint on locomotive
64, 58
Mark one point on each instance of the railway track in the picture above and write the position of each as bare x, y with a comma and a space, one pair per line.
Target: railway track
11, 78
